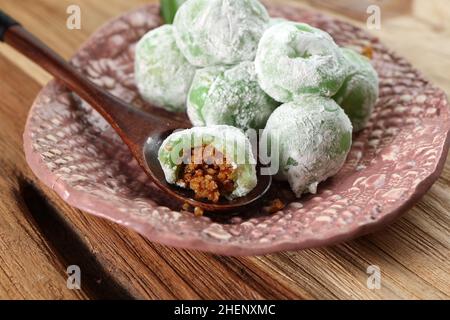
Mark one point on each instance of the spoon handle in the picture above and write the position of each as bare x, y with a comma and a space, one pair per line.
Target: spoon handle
123, 118
6, 22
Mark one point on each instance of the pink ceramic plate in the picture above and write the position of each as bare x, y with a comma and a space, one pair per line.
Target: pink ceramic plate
393, 161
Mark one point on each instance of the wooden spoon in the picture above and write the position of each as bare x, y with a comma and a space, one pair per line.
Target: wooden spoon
142, 132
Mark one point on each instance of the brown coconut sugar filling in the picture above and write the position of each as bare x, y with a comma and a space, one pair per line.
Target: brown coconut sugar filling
207, 174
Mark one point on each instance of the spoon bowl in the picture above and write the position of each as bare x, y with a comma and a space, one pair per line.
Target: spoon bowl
143, 132
151, 149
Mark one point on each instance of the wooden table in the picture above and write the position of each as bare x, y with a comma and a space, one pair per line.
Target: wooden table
40, 235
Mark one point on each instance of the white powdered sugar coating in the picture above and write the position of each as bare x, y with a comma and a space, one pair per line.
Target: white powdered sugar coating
314, 136
275, 21
295, 59
163, 75
229, 140
229, 96
213, 32
360, 90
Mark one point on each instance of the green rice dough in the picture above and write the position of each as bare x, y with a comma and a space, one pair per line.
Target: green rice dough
295, 58
217, 32
314, 137
163, 75
229, 96
230, 141
359, 92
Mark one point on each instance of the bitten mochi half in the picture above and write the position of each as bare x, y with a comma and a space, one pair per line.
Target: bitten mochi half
214, 162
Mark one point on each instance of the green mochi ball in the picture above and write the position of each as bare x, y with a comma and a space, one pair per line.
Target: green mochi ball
311, 138
217, 32
359, 92
231, 96
163, 75
295, 59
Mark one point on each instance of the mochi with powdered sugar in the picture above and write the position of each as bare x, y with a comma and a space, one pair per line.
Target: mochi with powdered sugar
163, 75
231, 96
295, 58
219, 32
312, 137
359, 92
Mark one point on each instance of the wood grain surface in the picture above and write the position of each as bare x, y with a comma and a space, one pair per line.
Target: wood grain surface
40, 235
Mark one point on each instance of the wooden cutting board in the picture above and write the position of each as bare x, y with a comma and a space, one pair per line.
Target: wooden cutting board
40, 236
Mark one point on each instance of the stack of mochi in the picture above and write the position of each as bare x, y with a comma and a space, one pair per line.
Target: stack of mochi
229, 65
